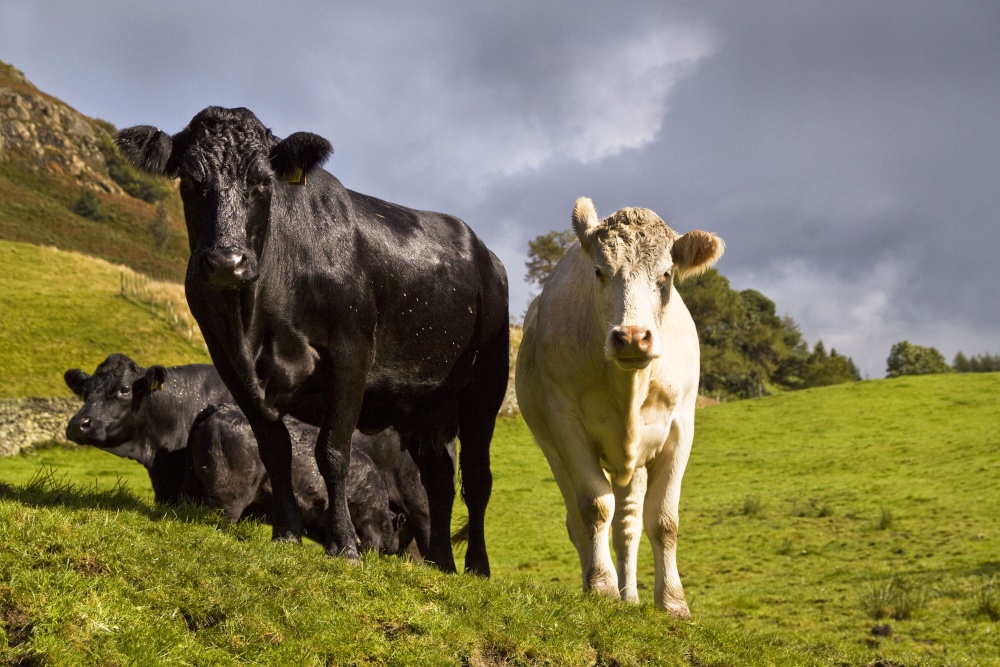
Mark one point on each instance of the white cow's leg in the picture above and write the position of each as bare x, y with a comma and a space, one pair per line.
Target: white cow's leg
661, 519
589, 506
626, 529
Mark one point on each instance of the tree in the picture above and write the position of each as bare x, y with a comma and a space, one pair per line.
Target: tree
980, 363
905, 358
544, 252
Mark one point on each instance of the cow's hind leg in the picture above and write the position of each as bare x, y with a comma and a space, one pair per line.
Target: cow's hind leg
437, 474
478, 408
626, 529
660, 517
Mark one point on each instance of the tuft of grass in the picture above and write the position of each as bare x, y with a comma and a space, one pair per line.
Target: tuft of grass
892, 597
752, 506
885, 519
811, 509
986, 601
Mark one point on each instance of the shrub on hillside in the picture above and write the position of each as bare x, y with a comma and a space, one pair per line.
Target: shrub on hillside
905, 358
89, 206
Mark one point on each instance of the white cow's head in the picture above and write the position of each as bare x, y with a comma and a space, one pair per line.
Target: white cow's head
636, 257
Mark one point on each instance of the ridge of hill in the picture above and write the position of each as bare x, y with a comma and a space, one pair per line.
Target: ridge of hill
63, 184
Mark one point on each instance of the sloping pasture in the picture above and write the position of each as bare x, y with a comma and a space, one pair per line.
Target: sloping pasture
61, 310
850, 525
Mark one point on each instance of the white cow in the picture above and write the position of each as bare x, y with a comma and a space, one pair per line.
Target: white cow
607, 377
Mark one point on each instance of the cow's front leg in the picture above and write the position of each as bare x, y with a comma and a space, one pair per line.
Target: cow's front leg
660, 518
333, 452
275, 448
589, 507
626, 529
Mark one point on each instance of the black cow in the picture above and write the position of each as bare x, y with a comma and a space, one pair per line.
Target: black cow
228, 466
123, 413
150, 416
340, 309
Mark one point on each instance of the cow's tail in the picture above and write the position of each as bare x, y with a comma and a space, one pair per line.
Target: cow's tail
461, 535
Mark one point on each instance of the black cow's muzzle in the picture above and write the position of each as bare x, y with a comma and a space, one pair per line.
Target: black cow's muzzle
228, 268
85, 431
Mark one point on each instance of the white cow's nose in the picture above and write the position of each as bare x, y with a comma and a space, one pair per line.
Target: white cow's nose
634, 340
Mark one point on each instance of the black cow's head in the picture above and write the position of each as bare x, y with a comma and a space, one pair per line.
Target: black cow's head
229, 165
112, 400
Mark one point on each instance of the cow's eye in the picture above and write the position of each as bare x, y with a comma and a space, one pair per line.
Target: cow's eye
262, 187
664, 279
125, 391
598, 272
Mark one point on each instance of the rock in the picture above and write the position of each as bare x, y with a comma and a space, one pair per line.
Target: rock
27, 421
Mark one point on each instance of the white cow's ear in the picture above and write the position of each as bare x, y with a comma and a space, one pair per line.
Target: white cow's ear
585, 223
695, 253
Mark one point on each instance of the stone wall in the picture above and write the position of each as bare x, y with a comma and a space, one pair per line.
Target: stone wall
26, 421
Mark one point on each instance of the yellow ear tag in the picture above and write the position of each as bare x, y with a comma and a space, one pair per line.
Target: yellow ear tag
296, 177
156, 385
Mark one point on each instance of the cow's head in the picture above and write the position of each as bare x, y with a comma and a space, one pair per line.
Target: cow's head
636, 258
229, 165
112, 401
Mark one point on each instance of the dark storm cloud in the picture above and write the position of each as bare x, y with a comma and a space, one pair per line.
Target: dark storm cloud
847, 152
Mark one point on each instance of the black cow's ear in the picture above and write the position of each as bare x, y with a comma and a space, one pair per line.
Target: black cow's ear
155, 377
152, 381
74, 380
297, 154
147, 148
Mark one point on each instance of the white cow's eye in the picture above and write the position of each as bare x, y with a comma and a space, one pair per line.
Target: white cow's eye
598, 273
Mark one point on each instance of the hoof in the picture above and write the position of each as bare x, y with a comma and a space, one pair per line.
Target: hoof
677, 609
350, 554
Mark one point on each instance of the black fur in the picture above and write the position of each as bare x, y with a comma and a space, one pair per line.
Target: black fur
345, 311
228, 466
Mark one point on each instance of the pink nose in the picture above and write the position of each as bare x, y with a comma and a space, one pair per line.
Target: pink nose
632, 341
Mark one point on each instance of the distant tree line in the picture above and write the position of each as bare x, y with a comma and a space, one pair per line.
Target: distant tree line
906, 358
747, 350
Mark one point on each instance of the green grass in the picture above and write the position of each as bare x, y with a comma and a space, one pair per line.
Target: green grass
809, 577
63, 310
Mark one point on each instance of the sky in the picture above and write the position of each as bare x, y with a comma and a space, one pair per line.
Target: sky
847, 152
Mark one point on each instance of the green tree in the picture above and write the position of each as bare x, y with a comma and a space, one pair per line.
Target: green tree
980, 363
543, 253
905, 358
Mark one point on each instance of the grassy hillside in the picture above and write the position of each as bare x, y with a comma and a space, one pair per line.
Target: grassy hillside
850, 525
63, 310
50, 155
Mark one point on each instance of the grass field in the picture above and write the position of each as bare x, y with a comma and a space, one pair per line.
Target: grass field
850, 525
61, 310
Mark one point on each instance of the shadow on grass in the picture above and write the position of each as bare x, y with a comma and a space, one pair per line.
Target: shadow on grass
49, 489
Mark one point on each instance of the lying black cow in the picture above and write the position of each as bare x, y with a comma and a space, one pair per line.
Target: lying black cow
123, 413
340, 309
228, 466
147, 415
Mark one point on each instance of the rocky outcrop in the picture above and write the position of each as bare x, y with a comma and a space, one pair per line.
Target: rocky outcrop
43, 133
27, 421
